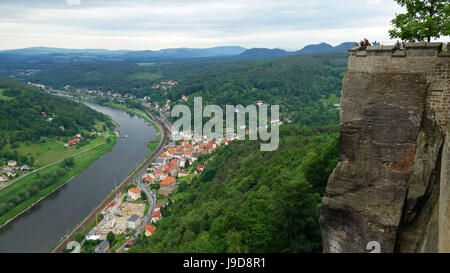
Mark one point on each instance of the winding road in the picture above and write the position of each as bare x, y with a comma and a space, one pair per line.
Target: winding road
150, 195
130, 179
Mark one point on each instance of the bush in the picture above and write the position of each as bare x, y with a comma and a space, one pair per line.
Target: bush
68, 162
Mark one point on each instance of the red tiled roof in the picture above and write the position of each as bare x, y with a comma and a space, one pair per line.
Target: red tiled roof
168, 180
157, 214
148, 179
134, 190
150, 228
74, 141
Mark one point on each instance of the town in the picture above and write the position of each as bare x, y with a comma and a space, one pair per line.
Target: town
136, 210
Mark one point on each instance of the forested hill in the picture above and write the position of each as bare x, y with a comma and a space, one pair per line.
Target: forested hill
300, 84
27, 114
250, 201
305, 86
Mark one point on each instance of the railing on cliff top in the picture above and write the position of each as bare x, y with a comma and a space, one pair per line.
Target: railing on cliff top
420, 49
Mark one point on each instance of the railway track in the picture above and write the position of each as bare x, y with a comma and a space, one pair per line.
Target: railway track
130, 179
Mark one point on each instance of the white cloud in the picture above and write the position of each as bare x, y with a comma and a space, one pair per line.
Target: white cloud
155, 24
73, 2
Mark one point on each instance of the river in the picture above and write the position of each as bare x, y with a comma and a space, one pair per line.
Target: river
40, 229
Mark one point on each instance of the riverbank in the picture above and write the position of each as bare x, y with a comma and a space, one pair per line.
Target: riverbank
87, 223
82, 161
144, 115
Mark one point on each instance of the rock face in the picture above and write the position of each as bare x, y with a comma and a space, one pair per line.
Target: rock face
391, 184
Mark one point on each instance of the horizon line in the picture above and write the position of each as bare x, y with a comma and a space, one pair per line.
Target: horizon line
181, 47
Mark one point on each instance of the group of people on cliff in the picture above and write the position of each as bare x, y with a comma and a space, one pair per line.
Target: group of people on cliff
365, 43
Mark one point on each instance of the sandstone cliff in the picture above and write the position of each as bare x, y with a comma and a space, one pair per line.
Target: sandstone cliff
392, 182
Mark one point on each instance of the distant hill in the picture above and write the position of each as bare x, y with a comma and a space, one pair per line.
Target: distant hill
47, 55
324, 48
183, 53
51, 50
265, 53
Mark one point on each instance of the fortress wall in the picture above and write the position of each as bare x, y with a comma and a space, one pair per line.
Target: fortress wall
423, 58
395, 117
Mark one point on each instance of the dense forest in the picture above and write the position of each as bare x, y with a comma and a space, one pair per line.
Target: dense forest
251, 201
27, 114
301, 84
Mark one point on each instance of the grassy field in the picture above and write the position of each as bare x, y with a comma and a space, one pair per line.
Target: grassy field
82, 161
53, 149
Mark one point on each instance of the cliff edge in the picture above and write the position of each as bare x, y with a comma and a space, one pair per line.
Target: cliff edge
391, 185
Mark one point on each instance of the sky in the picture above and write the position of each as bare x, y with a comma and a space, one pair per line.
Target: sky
158, 24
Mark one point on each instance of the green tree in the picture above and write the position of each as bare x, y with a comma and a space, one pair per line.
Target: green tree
68, 162
423, 20
110, 237
143, 196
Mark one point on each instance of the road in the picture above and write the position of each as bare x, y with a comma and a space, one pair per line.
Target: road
150, 195
130, 179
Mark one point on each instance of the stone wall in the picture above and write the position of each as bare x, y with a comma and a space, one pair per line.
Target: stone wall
444, 209
424, 58
395, 115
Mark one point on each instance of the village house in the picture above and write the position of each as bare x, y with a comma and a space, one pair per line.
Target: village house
149, 230
103, 247
12, 163
25, 168
183, 174
128, 245
11, 173
183, 162
148, 179
134, 193
156, 175
133, 221
156, 215
167, 186
74, 141
159, 162
3, 178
